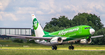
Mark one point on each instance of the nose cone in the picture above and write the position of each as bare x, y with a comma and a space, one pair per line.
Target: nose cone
92, 31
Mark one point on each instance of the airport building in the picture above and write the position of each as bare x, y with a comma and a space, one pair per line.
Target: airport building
15, 31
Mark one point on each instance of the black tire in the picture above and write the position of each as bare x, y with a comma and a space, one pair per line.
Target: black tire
54, 47
69, 47
72, 47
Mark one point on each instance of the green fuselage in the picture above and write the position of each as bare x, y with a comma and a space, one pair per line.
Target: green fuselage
82, 31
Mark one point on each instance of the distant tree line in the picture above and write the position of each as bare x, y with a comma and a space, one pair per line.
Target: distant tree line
92, 20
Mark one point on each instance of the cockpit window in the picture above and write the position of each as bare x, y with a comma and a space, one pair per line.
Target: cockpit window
87, 27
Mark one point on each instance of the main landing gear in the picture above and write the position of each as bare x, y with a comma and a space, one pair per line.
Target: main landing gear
54, 47
71, 47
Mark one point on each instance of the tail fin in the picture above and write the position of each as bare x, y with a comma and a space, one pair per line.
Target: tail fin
37, 28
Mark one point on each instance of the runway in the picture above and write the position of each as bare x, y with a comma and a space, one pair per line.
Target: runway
33, 48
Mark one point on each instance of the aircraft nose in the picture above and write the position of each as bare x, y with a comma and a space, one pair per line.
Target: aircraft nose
92, 31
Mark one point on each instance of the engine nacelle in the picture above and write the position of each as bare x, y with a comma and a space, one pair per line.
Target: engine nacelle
85, 41
56, 40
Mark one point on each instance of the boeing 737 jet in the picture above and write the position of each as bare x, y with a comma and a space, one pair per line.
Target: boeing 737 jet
82, 34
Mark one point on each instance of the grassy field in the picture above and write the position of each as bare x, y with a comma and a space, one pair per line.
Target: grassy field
8, 47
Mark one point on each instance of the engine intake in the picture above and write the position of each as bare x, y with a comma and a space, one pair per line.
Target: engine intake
56, 40
85, 41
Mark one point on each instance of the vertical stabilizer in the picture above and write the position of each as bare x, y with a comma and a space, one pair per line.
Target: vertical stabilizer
37, 28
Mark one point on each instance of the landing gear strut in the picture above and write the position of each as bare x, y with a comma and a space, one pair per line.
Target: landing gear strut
71, 47
54, 47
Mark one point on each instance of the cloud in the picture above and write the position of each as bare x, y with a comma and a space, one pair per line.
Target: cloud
4, 4
5, 15
1, 17
20, 11
24, 10
52, 11
8, 16
39, 12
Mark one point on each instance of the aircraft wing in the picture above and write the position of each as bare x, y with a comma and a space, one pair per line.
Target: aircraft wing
96, 36
29, 37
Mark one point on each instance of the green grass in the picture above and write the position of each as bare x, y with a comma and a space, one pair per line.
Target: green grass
50, 52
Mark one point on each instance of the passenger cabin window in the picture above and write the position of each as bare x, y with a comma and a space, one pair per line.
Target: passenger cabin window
87, 27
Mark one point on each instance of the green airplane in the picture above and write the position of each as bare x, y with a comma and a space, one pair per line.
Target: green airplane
71, 35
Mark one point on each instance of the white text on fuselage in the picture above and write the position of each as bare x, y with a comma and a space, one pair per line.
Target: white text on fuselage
64, 32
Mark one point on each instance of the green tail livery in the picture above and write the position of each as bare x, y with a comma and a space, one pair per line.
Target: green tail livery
81, 34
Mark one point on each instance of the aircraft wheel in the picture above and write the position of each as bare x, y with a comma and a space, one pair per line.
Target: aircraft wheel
71, 47
54, 47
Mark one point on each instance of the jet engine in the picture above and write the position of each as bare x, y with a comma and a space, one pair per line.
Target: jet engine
85, 41
56, 40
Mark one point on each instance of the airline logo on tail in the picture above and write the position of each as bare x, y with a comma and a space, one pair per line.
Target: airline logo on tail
35, 23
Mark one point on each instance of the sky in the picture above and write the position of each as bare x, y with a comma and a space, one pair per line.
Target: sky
17, 13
